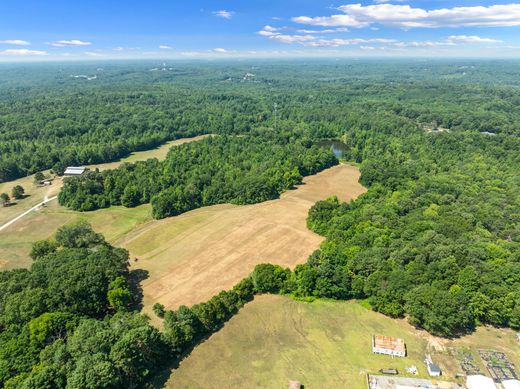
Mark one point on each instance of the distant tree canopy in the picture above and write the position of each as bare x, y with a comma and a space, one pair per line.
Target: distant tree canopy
129, 107
223, 169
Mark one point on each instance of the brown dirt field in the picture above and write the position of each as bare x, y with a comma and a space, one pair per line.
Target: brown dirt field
194, 256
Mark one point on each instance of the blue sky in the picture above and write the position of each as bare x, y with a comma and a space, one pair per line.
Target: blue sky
60, 30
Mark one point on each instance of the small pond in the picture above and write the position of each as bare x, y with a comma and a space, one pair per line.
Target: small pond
338, 147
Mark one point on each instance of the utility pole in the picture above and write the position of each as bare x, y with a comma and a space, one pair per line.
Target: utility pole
275, 116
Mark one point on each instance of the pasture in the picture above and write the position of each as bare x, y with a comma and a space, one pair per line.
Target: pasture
194, 256
324, 344
16, 240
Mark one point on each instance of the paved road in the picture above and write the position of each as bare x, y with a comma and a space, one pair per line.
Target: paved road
27, 212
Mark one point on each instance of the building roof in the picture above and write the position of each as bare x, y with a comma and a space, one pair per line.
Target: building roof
389, 343
480, 382
511, 384
75, 170
433, 367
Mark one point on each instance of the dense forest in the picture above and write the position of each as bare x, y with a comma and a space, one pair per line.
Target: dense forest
223, 169
54, 116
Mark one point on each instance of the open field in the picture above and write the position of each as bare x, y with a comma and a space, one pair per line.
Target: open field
16, 240
194, 256
323, 344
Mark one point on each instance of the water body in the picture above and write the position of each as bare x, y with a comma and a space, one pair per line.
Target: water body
338, 147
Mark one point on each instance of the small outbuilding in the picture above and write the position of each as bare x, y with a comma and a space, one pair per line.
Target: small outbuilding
480, 382
433, 369
75, 171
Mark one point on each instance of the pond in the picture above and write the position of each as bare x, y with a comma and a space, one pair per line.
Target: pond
338, 147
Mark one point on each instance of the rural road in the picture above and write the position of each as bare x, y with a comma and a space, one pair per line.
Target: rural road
27, 212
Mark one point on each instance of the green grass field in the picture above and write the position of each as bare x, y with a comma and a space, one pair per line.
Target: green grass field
323, 344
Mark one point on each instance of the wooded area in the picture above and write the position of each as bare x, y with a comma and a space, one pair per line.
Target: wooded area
436, 237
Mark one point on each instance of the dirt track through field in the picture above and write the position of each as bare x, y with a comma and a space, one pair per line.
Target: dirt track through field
194, 256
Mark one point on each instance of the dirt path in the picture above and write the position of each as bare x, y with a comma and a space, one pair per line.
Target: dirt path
45, 201
196, 255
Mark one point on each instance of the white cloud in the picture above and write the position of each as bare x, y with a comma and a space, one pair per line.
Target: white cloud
471, 39
93, 54
388, 1
220, 50
73, 42
23, 52
327, 31
330, 21
271, 28
311, 40
119, 48
16, 42
165, 47
224, 14
302, 39
406, 16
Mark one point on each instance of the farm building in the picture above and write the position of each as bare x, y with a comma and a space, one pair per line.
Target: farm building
75, 171
480, 382
511, 384
433, 369
388, 345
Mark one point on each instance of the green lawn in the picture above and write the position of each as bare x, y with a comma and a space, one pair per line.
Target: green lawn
323, 344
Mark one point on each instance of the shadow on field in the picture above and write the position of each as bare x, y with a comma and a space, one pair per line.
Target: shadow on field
136, 277
163, 375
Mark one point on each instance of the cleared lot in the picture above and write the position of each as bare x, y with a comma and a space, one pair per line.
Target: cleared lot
194, 256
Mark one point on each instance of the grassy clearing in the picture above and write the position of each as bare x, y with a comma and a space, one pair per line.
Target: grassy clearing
16, 241
323, 344
194, 256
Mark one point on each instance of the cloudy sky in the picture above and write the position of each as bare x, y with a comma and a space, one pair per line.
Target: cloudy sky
95, 29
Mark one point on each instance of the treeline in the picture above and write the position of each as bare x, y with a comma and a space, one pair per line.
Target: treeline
435, 238
222, 169
71, 321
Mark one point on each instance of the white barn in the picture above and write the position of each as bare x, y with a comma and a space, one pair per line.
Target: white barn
75, 171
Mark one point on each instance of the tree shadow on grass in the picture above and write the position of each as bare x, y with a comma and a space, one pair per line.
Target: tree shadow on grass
136, 277
162, 376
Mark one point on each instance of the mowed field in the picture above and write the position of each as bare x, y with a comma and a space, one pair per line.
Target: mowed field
323, 344
191, 257
16, 240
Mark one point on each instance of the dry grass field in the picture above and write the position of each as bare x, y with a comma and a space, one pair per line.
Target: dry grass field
16, 240
194, 256
323, 344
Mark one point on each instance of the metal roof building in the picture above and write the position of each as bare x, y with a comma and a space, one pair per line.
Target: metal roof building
74, 171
